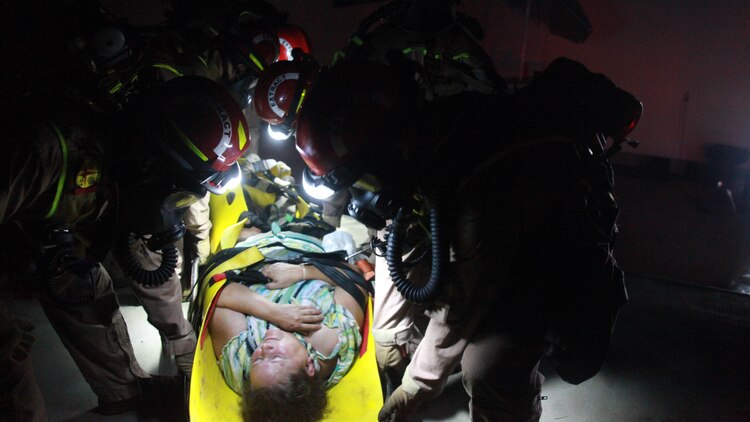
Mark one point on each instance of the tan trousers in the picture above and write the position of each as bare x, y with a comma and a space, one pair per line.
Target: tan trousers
97, 338
20, 397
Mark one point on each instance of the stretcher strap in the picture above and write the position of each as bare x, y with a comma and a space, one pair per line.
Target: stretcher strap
344, 277
210, 313
230, 259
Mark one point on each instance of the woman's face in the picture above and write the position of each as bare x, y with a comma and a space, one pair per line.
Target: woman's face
279, 355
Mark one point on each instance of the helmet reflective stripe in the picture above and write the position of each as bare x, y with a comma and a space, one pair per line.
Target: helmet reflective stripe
226, 125
272, 91
241, 134
301, 100
287, 46
184, 138
256, 61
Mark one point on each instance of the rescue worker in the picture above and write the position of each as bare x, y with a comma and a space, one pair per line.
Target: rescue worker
230, 43
441, 42
77, 184
503, 278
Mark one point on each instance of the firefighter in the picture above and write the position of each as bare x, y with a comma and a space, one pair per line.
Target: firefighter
477, 186
230, 43
434, 37
76, 184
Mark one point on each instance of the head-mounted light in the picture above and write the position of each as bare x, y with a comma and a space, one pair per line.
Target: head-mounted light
220, 182
316, 186
279, 132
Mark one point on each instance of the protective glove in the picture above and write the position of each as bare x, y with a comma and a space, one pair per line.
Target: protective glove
404, 400
399, 405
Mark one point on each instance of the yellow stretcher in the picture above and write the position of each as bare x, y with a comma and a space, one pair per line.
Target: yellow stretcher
358, 397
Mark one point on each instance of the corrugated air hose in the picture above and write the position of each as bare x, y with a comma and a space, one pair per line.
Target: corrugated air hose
144, 277
439, 243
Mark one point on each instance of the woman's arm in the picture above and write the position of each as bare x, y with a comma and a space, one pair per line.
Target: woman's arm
298, 318
282, 274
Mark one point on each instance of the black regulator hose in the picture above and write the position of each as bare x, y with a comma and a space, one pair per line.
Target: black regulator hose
439, 242
144, 277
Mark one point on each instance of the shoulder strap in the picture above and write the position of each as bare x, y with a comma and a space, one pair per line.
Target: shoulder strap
344, 277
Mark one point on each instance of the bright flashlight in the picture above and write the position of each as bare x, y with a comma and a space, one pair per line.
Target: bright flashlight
277, 135
319, 191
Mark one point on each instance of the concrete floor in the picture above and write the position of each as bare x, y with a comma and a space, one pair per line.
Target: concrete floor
673, 358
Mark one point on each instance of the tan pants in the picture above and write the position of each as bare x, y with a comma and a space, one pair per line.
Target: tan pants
499, 369
97, 338
20, 397
480, 326
163, 304
500, 373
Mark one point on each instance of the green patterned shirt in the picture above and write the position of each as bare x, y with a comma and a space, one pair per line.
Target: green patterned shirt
235, 361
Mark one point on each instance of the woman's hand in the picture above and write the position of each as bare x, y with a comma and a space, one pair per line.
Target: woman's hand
302, 319
282, 274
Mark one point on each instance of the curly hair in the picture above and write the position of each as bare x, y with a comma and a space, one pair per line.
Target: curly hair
301, 398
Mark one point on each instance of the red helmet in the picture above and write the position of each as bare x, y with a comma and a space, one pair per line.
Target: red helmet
282, 89
351, 120
203, 128
291, 37
257, 45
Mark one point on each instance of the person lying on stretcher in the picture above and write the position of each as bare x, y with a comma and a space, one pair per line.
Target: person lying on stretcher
282, 344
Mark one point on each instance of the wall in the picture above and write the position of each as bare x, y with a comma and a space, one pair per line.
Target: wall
688, 61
